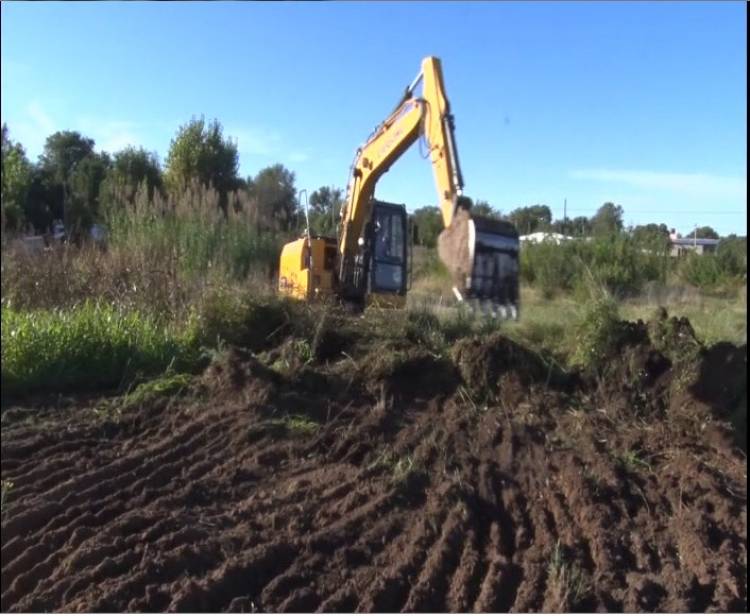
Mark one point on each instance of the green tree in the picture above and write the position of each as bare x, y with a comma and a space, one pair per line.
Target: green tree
200, 151
16, 182
569, 226
652, 235
85, 187
483, 208
607, 220
44, 200
63, 151
732, 255
531, 219
429, 223
705, 233
129, 168
325, 207
276, 197
580, 226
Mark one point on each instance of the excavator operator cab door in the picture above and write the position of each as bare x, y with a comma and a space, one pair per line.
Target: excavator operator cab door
388, 241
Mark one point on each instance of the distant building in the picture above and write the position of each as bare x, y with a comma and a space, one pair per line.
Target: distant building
543, 236
683, 245
679, 245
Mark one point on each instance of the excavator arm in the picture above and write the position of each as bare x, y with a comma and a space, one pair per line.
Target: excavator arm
481, 255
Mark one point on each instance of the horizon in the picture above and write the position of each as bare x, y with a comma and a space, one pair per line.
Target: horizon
643, 105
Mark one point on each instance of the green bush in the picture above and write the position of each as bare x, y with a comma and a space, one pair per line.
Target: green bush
618, 263
596, 333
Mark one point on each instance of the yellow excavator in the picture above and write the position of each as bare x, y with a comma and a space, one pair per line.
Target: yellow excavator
369, 261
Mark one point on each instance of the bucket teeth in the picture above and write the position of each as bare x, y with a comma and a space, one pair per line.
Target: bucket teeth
490, 309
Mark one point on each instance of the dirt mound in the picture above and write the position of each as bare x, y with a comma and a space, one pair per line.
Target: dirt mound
355, 486
659, 369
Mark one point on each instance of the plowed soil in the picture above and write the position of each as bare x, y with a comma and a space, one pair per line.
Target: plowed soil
479, 481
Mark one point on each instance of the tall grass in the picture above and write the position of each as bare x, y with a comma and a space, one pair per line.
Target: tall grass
92, 346
192, 234
162, 257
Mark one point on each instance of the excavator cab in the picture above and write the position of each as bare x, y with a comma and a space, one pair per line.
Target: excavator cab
377, 275
388, 252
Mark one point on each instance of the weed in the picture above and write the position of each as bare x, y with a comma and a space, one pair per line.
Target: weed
6, 487
468, 400
167, 385
296, 425
403, 471
593, 481
568, 584
632, 461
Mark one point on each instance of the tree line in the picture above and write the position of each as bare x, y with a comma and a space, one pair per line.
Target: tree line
73, 183
607, 221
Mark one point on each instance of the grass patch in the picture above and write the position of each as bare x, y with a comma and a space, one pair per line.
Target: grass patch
164, 386
567, 583
92, 346
6, 487
296, 425
632, 461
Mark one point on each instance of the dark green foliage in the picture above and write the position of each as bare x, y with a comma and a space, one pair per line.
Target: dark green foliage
16, 182
607, 220
531, 219
63, 150
130, 167
651, 235
580, 226
83, 197
429, 224
483, 208
597, 333
276, 197
618, 263
704, 233
44, 200
200, 152
324, 210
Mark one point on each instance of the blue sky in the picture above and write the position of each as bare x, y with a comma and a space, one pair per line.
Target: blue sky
640, 103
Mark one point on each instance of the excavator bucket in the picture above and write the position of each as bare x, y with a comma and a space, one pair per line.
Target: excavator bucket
481, 255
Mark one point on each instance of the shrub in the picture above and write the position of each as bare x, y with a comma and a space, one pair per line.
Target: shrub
596, 333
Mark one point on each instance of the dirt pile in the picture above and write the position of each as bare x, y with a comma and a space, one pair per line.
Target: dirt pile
421, 482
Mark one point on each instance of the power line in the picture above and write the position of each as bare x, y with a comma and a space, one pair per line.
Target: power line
686, 212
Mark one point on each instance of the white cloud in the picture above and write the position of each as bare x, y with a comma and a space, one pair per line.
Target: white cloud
254, 141
702, 185
40, 117
31, 127
299, 157
110, 135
